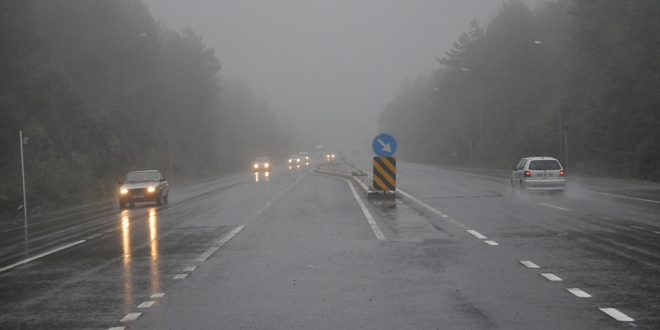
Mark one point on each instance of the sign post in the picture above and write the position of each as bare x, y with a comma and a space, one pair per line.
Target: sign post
384, 146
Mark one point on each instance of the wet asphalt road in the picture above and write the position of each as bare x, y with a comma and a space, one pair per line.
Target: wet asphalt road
295, 250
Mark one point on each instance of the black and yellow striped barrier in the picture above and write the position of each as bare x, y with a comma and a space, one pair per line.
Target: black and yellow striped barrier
384, 173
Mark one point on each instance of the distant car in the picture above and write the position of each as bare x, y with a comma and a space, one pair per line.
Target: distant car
262, 164
304, 157
143, 186
330, 157
294, 160
538, 174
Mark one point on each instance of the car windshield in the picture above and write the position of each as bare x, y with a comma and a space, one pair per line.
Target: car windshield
141, 177
261, 160
544, 165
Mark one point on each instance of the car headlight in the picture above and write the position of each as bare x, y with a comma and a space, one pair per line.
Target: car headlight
123, 191
266, 165
151, 189
256, 165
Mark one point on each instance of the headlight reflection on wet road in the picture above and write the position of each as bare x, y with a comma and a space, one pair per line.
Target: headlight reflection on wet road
154, 270
126, 260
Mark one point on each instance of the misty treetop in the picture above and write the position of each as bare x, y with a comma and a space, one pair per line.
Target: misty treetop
571, 75
101, 87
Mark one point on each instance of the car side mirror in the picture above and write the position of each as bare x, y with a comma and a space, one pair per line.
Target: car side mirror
163, 179
119, 182
513, 168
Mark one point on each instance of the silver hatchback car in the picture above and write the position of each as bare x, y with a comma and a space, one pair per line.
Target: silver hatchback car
538, 174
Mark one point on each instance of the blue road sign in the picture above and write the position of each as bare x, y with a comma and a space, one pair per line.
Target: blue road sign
384, 145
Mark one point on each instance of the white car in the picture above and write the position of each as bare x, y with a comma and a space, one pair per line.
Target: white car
294, 161
261, 164
143, 186
538, 174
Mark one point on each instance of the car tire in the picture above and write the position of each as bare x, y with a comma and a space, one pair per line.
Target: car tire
132, 205
522, 187
159, 199
166, 198
122, 205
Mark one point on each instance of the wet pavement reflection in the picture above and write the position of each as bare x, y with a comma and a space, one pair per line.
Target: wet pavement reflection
264, 176
126, 258
154, 270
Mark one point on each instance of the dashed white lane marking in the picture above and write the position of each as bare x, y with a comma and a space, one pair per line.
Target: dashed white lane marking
224, 240
616, 314
372, 223
578, 293
491, 242
131, 317
556, 207
529, 264
146, 304
639, 199
157, 295
22, 262
476, 234
551, 277
190, 269
180, 276
117, 328
207, 254
638, 227
657, 232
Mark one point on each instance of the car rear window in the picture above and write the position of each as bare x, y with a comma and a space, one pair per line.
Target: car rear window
544, 165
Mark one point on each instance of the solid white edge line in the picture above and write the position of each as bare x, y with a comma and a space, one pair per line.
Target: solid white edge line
374, 225
430, 208
578, 293
556, 207
529, 264
639, 199
40, 255
657, 232
551, 277
476, 234
130, 317
613, 312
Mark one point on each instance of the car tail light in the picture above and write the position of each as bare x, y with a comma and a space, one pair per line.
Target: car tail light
561, 173
528, 174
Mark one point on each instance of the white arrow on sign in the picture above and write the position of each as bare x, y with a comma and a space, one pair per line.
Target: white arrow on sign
386, 147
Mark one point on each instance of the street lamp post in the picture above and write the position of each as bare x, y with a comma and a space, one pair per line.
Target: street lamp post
169, 153
558, 110
24, 141
471, 136
480, 126
566, 145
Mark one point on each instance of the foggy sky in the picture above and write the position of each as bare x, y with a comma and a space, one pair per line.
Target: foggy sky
332, 66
